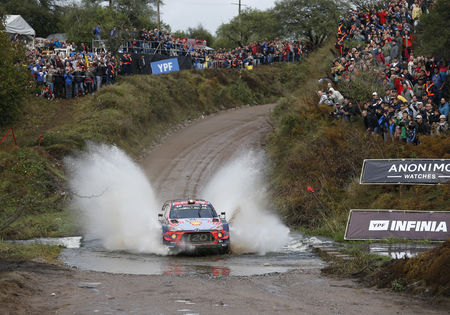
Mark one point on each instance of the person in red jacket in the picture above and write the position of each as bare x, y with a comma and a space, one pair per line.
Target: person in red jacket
380, 57
407, 43
382, 16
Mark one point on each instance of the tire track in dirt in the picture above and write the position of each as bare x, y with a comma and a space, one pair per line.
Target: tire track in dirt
187, 159
199, 150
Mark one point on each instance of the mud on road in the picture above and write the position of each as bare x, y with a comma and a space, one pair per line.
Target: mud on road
53, 290
179, 167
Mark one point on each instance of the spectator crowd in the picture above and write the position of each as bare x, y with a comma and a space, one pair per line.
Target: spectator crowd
62, 69
378, 41
156, 41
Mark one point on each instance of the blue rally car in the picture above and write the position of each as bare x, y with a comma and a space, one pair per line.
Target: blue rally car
193, 224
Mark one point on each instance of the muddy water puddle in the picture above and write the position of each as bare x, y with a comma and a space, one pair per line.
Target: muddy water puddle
400, 251
297, 254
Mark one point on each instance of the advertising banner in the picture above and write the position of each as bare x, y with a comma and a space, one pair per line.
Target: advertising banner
406, 171
165, 66
382, 224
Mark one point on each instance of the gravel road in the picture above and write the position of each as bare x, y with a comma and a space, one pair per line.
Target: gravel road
179, 167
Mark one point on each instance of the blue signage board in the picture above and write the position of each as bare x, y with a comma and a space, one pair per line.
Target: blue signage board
165, 66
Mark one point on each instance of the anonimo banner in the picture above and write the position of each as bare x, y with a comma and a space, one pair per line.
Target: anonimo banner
382, 224
406, 171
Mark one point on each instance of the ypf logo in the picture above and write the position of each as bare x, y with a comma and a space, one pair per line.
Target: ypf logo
378, 225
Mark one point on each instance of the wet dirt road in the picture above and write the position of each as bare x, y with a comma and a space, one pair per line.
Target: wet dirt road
176, 168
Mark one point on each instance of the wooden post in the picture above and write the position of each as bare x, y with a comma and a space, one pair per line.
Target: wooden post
159, 15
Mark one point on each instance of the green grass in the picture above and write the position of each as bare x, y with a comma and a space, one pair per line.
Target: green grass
49, 224
362, 262
44, 253
131, 114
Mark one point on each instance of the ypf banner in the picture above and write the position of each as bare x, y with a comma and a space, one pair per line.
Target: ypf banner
165, 66
406, 171
382, 224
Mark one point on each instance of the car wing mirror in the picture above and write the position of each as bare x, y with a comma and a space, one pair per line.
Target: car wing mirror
222, 215
160, 216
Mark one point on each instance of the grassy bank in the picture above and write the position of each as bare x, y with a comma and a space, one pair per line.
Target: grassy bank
425, 274
308, 149
39, 252
131, 114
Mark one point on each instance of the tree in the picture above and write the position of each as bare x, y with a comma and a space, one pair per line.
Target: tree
366, 4
314, 20
256, 25
80, 18
43, 15
200, 32
180, 34
139, 13
13, 77
433, 33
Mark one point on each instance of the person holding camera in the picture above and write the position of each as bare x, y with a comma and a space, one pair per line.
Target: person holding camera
442, 126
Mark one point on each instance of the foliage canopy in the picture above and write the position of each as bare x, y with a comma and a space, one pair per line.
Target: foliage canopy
314, 20
255, 25
13, 78
44, 16
433, 32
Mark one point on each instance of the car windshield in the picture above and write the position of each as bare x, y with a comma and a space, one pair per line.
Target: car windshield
192, 211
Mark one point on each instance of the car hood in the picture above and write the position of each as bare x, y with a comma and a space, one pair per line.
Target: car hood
196, 224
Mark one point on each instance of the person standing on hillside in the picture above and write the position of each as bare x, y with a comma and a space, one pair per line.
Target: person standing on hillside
89, 80
422, 126
58, 79
444, 108
407, 44
98, 75
79, 76
68, 79
97, 32
110, 71
439, 83
442, 126
395, 52
142, 64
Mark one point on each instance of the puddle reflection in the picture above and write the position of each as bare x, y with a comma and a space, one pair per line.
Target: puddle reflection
399, 251
179, 269
91, 256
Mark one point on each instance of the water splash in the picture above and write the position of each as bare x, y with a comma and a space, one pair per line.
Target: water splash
118, 206
115, 199
238, 189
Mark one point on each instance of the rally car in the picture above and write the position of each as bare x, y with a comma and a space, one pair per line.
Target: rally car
193, 224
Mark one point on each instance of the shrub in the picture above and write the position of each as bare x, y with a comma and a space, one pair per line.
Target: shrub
13, 78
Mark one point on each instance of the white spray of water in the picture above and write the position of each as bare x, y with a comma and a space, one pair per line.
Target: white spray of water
116, 200
238, 189
119, 207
